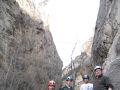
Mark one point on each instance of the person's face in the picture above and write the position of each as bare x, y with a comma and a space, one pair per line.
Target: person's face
69, 82
51, 87
86, 80
98, 72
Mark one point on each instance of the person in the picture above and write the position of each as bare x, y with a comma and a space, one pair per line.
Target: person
51, 85
101, 82
68, 85
86, 85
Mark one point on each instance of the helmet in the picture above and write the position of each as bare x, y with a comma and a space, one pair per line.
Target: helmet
51, 83
69, 78
85, 77
97, 67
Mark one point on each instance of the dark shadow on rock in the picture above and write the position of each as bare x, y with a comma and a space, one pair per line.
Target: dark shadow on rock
28, 57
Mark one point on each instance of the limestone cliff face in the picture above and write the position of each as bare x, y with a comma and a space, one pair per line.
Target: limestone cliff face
106, 43
107, 26
28, 57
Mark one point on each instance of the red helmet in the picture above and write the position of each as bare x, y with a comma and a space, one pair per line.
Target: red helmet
51, 83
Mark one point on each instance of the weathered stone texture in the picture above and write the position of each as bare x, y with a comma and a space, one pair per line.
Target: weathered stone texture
106, 48
28, 57
105, 30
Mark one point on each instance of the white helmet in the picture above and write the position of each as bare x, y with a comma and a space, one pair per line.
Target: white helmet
97, 67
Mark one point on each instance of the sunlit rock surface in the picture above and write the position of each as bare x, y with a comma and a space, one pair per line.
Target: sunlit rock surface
106, 43
28, 56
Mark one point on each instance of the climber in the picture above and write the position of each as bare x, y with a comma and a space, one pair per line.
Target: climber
86, 85
101, 82
68, 85
51, 85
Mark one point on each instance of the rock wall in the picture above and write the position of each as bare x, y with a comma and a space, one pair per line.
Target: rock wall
28, 57
106, 43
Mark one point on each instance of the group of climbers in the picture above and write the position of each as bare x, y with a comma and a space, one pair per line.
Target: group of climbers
101, 82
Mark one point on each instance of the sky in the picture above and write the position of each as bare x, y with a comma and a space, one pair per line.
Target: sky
71, 21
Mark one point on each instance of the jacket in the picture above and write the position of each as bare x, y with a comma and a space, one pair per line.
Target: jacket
66, 88
102, 83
